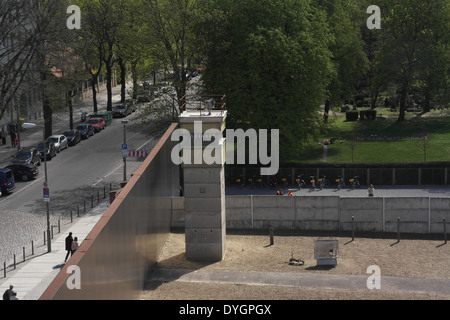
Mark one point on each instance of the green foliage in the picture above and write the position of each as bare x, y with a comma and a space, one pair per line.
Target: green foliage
272, 60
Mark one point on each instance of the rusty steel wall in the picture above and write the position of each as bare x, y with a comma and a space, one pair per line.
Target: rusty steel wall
118, 253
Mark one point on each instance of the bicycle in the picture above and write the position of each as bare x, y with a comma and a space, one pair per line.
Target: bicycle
354, 182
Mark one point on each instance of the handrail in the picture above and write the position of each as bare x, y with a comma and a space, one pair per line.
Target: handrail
197, 102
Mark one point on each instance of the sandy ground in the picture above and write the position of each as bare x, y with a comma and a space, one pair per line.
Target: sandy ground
411, 257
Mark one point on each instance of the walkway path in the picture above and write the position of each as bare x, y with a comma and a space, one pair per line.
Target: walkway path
353, 282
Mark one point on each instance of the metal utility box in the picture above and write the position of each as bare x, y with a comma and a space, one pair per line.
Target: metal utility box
326, 251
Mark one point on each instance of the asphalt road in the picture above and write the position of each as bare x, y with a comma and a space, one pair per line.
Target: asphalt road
75, 175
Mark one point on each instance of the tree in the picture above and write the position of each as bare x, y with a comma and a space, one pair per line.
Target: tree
17, 50
349, 59
408, 28
272, 60
170, 26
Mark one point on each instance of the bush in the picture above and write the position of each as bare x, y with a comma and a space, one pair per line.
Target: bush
351, 115
371, 114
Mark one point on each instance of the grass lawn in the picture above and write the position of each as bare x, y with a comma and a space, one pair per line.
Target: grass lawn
349, 148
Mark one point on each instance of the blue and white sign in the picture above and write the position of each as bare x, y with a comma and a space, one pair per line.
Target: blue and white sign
46, 194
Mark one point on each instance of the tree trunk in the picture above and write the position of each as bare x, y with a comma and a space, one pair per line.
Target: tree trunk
69, 104
109, 86
134, 78
94, 83
404, 94
326, 110
46, 107
123, 72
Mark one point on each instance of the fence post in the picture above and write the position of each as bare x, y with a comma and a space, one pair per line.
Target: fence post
353, 228
445, 230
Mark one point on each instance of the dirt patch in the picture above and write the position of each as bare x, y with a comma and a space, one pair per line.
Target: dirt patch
251, 251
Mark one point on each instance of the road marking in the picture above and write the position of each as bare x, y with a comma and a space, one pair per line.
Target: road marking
20, 190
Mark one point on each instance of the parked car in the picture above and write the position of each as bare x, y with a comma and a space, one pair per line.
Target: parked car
59, 140
24, 172
7, 181
121, 110
30, 155
86, 130
131, 104
144, 96
47, 149
73, 136
97, 123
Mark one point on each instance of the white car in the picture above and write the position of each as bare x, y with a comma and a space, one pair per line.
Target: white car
60, 141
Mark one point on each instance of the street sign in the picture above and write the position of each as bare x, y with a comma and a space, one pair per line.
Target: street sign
124, 146
46, 194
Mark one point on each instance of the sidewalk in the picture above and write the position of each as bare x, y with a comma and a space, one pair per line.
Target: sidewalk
32, 277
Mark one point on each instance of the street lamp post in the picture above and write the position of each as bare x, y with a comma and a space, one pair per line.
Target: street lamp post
124, 155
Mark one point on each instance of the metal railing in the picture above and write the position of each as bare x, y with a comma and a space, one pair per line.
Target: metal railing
199, 102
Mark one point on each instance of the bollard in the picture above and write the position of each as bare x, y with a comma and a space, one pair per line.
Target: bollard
353, 228
23, 248
32, 247
271, 229
98, 197
71, 216
44, 238
92, 201
445, 231
78, 210
14, 261
4, 269
398, 229
59, 226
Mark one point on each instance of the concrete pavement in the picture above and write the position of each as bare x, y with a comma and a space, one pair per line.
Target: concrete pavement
32, 277
352, 282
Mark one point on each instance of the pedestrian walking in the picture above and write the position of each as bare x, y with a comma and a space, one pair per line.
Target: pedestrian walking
8, 293
13, 139
69, 241
74, 245
371, 190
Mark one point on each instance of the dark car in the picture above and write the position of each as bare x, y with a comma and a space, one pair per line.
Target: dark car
86, 130
73, 136
7, 182
144, 96
24, 172
121, 110
131, 104
49, 149
30, 155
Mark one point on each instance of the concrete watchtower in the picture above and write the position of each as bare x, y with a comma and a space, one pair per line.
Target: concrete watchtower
204, 184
